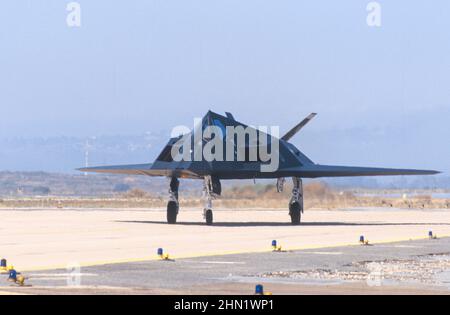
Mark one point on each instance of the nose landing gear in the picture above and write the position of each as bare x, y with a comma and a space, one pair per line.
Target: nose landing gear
211, 189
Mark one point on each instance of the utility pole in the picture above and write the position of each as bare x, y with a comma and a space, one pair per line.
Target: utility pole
87, 147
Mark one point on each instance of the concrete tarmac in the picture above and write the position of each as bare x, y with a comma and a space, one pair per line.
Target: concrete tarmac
239, 273
116, 251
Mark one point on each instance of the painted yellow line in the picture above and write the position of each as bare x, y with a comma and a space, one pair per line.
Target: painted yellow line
223, 253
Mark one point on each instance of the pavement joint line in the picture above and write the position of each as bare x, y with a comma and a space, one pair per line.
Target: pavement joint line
222, 253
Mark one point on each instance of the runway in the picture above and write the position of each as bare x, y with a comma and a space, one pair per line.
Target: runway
116, 249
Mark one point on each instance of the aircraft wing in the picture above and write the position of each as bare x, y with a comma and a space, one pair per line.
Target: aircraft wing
140, 169
134, 169
316, 170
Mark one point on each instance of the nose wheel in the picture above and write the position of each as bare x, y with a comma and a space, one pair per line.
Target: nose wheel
208, 193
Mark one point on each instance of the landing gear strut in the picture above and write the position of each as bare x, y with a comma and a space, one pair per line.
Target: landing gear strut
296, 202
211, 188
173, 205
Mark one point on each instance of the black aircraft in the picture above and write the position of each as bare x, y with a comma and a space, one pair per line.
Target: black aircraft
246, 160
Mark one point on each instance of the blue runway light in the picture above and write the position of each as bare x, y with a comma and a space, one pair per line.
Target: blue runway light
274, 243
12, 275
160, 252
259, 289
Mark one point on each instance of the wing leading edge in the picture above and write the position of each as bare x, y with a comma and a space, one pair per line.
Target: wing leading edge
134, 169
140, 169
315, 170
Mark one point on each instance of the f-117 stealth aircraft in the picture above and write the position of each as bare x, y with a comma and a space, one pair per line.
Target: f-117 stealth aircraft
221, 148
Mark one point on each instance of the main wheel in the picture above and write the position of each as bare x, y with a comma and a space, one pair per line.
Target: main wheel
172, 211
209, 217
295, 213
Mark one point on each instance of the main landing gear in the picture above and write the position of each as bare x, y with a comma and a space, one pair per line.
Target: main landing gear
173, 205
296, 202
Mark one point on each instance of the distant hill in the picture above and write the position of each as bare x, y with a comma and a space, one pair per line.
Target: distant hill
384, 147
46, 166
23, 184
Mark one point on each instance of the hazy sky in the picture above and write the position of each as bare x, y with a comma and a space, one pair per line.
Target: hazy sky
142, 65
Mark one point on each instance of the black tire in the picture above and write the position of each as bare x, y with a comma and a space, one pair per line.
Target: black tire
209, 217
172, 211
295, 213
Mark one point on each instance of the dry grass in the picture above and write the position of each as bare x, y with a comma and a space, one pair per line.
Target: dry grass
317, 196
